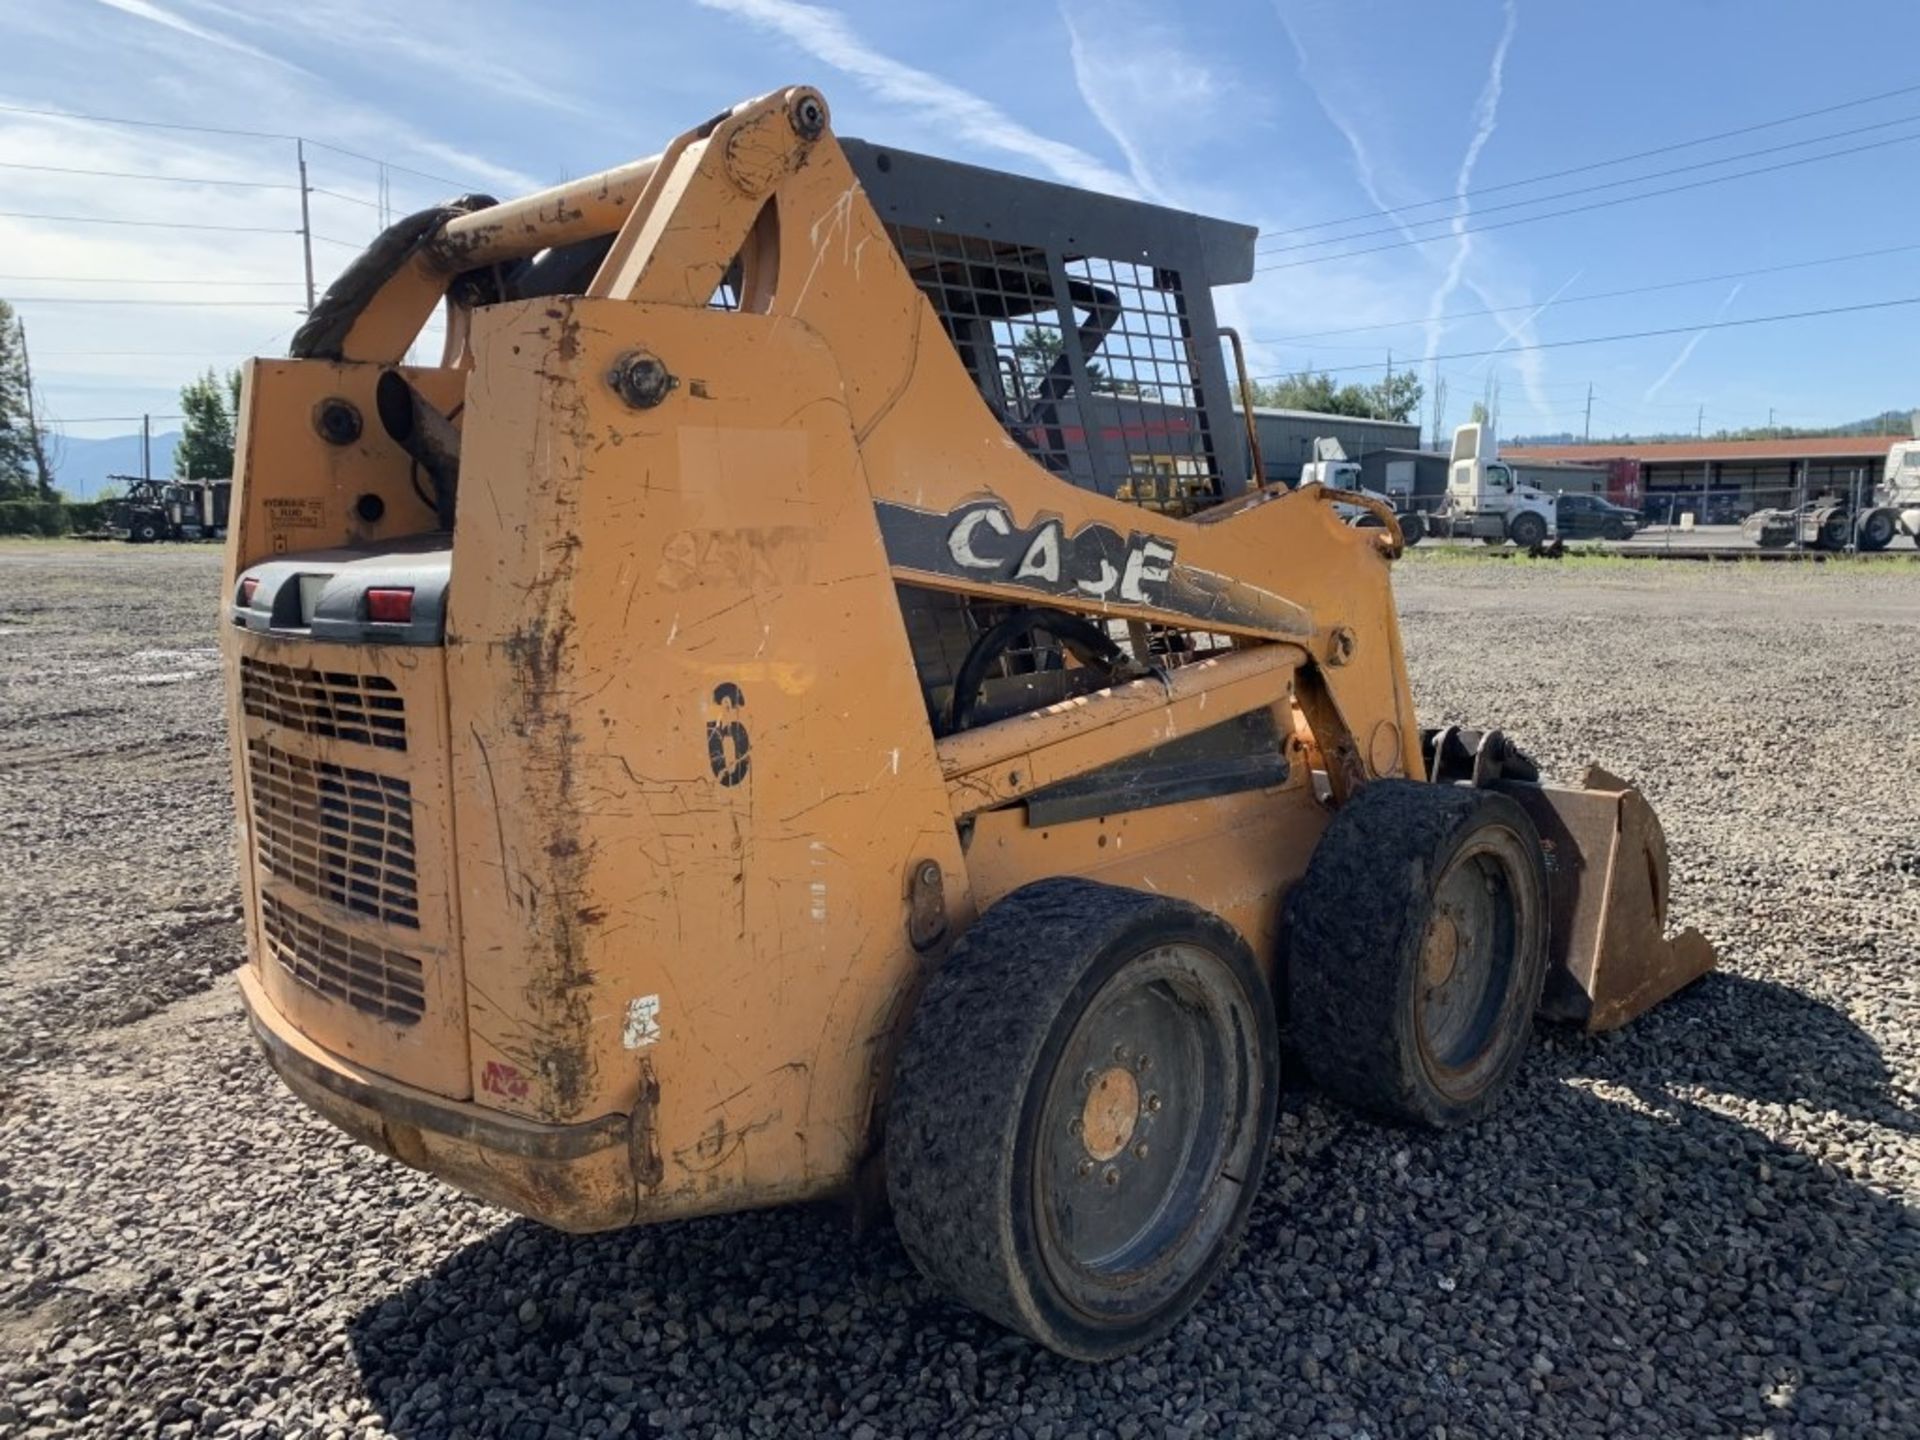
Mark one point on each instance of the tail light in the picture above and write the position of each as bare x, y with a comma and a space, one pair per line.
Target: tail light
390, 606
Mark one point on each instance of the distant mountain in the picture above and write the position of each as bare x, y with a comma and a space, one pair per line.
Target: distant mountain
1887, 422
85, 464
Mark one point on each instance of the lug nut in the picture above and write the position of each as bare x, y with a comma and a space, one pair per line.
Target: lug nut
1153, 1104
1085, 1169
1075, 1126
1112, 1177
1140, 1151
1143, 1064
1120, 1053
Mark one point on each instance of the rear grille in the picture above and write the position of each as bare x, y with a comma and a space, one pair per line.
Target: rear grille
336, 704
342, 834
371, 978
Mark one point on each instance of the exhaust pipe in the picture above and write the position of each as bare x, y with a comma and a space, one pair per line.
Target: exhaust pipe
425, 434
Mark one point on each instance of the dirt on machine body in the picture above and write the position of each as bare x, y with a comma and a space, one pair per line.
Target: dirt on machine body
806, 697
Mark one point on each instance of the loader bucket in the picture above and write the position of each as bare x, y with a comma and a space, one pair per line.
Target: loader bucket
1609, 955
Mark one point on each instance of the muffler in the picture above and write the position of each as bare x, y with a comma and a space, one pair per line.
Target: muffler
428, 437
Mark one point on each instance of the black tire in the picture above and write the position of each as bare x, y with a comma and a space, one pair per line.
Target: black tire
1018, 1166
146, 532
1404, 870
1833, 531
1616, 530
1527, 530
1413, 528
1875, 530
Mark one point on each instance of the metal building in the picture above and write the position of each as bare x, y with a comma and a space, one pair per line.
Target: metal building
1287, 436
1722, 481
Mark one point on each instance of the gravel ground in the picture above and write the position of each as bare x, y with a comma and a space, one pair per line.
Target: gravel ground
1707, 1225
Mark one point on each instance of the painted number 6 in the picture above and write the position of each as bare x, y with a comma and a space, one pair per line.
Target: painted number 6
727, 736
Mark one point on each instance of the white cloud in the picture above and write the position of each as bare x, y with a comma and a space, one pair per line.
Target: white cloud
1147, 91
418, 38
94, 359
1461, 269
145, 10
827, 37
1486, 116
1687, 349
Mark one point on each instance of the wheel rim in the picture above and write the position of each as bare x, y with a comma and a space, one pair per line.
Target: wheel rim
1470, 959
1149, 1114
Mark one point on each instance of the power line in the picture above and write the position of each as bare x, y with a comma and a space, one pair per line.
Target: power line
1603, 164
1604, 185
351, 199
143, 280
127, 300
110, 419
147, 175
1637, 334
226, 130
1594, 205
153, 224
1597, 295
133, 354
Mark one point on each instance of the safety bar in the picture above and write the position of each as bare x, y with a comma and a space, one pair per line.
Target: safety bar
559, 215
576, 210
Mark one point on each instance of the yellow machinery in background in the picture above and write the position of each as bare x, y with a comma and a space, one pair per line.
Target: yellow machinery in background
723, 731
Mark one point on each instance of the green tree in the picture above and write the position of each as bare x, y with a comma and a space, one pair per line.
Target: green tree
26, 450
1398, 396
209, 410
1394, 398
1302, 390
1036, 352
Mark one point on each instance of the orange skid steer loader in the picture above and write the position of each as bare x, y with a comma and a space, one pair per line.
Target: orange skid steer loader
806, 690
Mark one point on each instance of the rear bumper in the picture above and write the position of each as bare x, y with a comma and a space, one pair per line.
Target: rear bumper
572, 1177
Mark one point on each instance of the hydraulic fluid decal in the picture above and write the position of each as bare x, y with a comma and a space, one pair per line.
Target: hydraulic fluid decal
295, 514
981, 541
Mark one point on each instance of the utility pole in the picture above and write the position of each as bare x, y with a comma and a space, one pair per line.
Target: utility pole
306, 218
1770, 420
146, 447
1700, 423
1586, 430
36, 438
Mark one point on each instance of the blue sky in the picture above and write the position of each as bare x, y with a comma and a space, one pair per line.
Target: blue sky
1283, 114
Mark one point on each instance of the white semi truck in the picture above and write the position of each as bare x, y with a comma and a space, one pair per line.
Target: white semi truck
1331, 467
1900, 486
1830, 522
1484, 500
